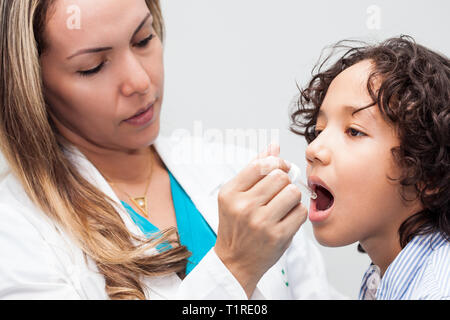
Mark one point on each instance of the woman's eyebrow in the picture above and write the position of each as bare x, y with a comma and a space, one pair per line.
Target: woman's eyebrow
141, 24
92, 50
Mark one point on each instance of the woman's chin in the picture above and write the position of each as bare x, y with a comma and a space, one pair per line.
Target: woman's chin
144, 138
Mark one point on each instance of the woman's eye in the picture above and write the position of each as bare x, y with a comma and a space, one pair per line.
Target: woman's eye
91, 71
144, 43
355, 133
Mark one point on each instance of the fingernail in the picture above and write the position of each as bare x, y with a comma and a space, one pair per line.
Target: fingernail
289, 165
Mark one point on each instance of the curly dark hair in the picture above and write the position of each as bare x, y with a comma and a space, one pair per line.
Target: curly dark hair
414, 96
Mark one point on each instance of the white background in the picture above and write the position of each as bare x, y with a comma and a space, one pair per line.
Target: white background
234, 64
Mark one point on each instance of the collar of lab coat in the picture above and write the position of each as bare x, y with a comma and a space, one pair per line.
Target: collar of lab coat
199, 180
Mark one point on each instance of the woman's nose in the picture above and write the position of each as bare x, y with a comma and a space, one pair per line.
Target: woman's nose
136, 79
318, 151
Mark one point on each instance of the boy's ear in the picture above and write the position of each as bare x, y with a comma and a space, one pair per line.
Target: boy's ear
422, 186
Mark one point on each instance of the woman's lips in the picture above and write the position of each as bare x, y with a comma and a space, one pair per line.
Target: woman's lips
317, 212
143, 117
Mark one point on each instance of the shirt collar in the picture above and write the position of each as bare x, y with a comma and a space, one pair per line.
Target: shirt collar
401, 272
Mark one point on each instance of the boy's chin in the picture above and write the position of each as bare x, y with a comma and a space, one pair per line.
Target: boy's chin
330, 239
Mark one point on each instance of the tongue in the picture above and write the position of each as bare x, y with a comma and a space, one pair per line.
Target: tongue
324, 198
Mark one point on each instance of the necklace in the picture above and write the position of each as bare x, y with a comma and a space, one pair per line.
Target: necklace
140, 202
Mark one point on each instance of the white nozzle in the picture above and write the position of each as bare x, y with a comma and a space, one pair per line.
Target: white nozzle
295, 174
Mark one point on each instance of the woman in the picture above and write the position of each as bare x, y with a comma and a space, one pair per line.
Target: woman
81, 93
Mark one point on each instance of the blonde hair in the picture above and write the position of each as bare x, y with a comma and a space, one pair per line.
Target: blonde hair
34, 151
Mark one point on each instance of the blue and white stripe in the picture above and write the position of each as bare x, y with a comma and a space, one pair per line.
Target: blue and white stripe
420, 271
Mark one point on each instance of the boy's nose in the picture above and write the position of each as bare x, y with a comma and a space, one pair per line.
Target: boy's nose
317, 152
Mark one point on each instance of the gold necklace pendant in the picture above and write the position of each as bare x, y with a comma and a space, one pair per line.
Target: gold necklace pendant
141, 203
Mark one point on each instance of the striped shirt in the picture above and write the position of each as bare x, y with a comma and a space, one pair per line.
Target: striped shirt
420, 271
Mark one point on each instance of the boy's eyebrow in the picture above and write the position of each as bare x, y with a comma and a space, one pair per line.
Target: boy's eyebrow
347, 109
360, 109
92, 50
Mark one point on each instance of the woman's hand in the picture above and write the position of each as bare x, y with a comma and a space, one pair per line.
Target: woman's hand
259, 213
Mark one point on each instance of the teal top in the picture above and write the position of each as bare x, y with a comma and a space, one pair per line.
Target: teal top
193, 230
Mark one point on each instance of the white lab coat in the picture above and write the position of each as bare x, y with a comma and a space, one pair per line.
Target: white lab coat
40, 261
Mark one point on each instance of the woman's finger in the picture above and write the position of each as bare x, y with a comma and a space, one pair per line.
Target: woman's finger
268, 187
288, 198
293, 220
255, 171
272, 150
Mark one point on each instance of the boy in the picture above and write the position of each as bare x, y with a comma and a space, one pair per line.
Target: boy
378, 127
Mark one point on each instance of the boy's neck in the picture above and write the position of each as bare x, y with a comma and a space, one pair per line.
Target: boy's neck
384, 246
383, 250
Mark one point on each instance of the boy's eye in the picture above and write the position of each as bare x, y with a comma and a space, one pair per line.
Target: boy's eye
316, 133
313, 134
144, 42
355, 133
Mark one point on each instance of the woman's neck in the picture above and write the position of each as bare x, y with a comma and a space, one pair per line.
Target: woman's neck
121, 165
126, 168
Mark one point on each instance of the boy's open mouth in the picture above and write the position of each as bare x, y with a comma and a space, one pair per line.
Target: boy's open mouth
324, 199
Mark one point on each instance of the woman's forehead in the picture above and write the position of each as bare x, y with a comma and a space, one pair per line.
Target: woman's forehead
75, 24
